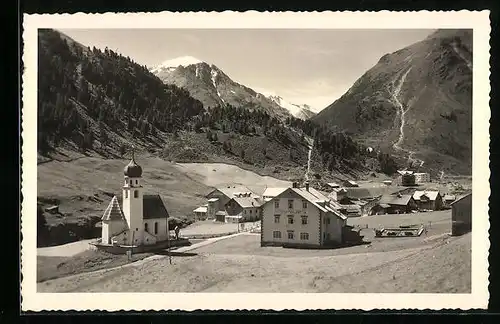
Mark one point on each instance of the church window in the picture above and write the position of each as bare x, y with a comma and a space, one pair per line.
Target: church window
156, 227
136, 229
136, 181
146, 227
136, 194
131, 182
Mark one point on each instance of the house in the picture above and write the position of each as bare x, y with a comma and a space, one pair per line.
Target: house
387, 182
333, 185
219, 197
461, 215
408, 179
394, 204
138, 219
200, 213
301, 217
350, 183
337, 193
448, 199
422, 177
243, 208
428, 199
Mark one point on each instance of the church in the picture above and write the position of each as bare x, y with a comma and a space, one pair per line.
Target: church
136, 219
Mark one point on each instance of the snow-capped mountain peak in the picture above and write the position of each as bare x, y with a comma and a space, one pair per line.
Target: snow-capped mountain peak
172, 64
302, 111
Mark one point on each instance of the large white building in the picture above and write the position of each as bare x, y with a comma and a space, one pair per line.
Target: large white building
300, 217
140, 219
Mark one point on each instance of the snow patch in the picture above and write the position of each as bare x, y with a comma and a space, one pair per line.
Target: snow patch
213, 73
176, 62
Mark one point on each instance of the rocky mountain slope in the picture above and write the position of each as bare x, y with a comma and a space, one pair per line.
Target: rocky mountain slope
210, 85
302, 111
416, 101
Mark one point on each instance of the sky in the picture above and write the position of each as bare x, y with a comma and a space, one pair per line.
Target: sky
313, 67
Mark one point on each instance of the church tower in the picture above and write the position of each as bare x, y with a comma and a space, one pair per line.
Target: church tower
133, 201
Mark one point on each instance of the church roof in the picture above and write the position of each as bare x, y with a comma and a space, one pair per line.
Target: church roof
152, 207
113, 211
132, 170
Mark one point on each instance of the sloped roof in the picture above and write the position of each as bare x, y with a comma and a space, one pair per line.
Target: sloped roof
113, 211
431, 194
153, 207
247, 202
399, 200
462, 197
450, 197
229, 191
333, 185
273, 192
201, 209
362, 193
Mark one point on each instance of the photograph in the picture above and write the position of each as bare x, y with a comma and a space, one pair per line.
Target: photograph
263, 159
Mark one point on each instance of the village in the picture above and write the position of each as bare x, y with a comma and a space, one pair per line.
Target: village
304, 225
295, 216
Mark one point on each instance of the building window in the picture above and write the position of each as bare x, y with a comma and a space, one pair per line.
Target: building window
304, 236
156, 227
324, 221
130, 182
245, 211
136, 193
304, 220
304, 204
290, 219
290, 204
136, 229
126, 193
277, 204
276, 219
136, 181
328, 220
277, 234
146, 227
250, 212
290, 235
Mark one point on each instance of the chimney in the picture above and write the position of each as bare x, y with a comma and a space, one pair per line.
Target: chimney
307, 185
294, 185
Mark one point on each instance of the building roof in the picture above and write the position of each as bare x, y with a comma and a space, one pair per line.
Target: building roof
132, 169
450, 197
213, 199
247, 202
220, 213
113, 211
403, 172
462, 197
201, 209
273, 192
431, 194
364, 193
153, 207
333, 185
351, 182
229, 191
384, 205
398, 200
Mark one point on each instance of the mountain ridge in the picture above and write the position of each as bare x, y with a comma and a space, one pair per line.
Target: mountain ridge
416, 101
213, 87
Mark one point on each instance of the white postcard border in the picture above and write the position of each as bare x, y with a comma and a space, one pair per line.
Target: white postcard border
477, 20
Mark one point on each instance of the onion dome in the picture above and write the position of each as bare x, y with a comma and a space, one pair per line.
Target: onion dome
132, 170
